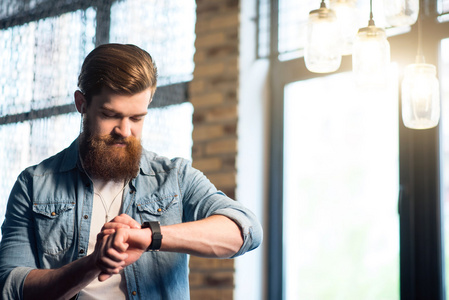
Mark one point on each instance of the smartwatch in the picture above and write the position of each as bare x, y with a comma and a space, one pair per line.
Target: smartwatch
156, 240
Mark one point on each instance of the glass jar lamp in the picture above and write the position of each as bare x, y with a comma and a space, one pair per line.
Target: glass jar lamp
323, 45
420, 96
371, 56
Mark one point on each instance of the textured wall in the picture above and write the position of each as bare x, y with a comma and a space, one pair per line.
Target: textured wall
213, 93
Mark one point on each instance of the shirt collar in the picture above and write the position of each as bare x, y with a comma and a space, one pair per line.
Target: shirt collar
70, 158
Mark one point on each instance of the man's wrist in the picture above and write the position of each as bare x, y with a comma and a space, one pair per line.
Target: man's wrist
156, 235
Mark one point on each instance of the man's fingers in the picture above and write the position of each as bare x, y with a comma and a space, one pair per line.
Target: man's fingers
108, 232
104, 234
109, 265
114, 225
112, 262
117, 256
126, 220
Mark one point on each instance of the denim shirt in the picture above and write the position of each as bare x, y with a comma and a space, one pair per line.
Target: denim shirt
48, 215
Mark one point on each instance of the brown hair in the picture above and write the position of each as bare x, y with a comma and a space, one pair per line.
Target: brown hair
124, 69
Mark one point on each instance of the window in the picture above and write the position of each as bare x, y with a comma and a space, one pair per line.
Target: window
43, 44
341, 171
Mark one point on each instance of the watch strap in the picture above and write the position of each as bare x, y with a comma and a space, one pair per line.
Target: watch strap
156, 239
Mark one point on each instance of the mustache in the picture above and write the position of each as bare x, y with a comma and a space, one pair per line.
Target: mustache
109, 139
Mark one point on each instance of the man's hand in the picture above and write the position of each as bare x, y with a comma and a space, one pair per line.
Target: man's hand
120, 244
108, 264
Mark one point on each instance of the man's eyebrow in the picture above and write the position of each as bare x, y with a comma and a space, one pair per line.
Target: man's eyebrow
113, 111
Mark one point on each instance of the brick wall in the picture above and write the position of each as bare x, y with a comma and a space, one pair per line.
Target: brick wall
213, 93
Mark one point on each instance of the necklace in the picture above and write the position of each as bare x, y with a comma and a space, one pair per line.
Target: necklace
97, 192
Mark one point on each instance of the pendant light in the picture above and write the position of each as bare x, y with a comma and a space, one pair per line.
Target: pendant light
371, 55
401, 12
323, 45
420, 92
347, 16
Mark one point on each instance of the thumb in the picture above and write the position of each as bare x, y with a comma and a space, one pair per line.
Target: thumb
104, 277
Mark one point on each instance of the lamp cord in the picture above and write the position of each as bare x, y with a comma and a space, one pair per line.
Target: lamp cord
419, 55
371, 17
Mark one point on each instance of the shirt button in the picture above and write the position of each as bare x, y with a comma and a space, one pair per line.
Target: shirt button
53, 213
82, 251
86, 217
134, 293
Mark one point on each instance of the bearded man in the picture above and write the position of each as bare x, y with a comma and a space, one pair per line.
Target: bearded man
106, 219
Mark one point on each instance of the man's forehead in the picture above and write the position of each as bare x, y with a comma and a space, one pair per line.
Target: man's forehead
113, 101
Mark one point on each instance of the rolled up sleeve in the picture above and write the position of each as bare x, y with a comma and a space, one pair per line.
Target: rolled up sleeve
13, 284
249, 225
201, 200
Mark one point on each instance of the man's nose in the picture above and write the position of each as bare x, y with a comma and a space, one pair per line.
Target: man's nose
123, 129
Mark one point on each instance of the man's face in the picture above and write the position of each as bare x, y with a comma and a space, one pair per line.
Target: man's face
110, 144
118, 115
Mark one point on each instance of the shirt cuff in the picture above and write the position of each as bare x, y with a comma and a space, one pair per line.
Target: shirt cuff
13, 288
250, 227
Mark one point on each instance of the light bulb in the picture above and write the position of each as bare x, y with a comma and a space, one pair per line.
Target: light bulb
420, 96
322, 52
371, 56
401, 12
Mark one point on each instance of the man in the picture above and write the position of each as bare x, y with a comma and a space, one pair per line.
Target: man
89, 222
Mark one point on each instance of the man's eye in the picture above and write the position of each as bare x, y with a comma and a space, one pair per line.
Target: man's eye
107, 116
137, 119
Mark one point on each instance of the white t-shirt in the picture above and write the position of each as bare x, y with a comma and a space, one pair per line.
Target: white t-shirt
108, 198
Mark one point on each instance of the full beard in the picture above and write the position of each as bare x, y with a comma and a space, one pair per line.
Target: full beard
104, 160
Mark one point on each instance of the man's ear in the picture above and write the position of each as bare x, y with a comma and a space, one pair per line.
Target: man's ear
80, 102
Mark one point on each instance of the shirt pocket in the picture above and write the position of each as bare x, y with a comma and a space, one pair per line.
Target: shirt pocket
55, 222
162, 208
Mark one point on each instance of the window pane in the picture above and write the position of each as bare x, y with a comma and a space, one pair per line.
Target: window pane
443, 6
292, 24
168, 130
341, 227
263, 29
166, 29
40, 60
